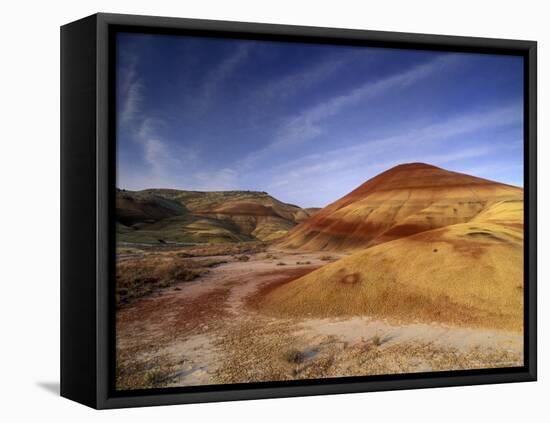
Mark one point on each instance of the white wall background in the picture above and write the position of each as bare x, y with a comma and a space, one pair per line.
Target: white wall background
29, 178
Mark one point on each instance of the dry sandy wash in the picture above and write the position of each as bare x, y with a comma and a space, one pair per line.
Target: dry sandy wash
419, 269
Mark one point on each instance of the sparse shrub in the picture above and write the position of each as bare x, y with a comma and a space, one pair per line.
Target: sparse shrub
152, 272
281, 264
156, 377
184, 274
303, 262
128, 250
326, 258
211, 262
293, 356
159, 267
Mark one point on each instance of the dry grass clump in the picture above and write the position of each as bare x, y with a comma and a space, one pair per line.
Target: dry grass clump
253, 247
376, 340
128, 250
327, 258
303, 262
205, 250
150, 272
470, 281
281, 263
293, 356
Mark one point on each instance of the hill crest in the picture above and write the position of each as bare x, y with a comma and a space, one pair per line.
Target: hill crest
401, 201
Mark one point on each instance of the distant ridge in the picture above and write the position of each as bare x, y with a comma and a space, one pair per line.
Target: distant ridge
169, 215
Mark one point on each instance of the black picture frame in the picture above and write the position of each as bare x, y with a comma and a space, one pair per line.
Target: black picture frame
87, 194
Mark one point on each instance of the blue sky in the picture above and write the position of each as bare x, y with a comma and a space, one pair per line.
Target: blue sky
308, 122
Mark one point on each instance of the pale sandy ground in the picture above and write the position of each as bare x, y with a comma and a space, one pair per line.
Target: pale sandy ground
209, 333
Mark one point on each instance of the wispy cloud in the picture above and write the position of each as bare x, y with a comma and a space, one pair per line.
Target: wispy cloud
174, 163
215, 78
365, 160
361, 160
130, 89
166, 156
216, 180
308, 124
337, 177
311, 117
296, 82
507, 171
158, 156
411, 137
144, 130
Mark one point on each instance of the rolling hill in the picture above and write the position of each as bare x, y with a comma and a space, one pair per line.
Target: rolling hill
404, 200
466, 274
167, 215
427, 245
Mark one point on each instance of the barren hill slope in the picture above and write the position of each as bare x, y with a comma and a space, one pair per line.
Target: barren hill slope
404, 200
467, 274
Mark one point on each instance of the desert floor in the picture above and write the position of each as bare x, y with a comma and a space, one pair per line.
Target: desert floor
210, 331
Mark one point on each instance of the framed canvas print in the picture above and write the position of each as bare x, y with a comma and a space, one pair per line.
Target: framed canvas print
255, 211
